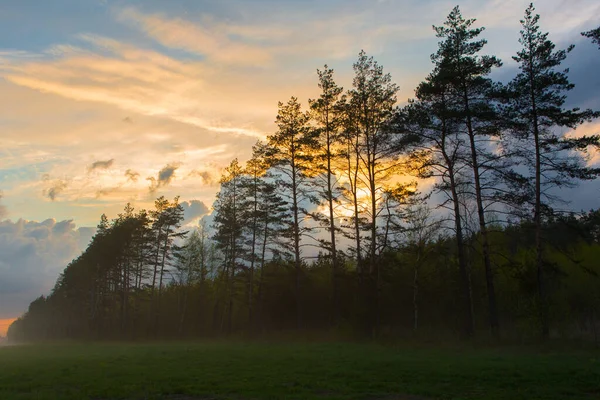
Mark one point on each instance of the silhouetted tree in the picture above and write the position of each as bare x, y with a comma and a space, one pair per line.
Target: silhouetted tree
594, 34
464, 73
191, 268
228, 224
327, 112
370, 108
251, 185
290, 150
536, 112
439, 153
421, 233
392, 264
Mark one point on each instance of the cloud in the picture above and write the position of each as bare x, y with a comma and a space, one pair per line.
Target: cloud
136, 80
56, 188
165, 176
208, 177
205, 39
592, 155
3, 211
132, 176
107, 191
33, 255
101, 164
162, 85
31, 163
193, 210
167, 173
557, 16
269, 43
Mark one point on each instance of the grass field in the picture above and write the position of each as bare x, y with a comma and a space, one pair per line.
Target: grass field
190, 371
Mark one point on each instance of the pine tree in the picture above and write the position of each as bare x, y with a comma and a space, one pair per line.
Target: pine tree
158, 227
189, 269
126, 227
273, 218
439, 153
420, 236
228, 224
327, 112
594, 34
536, 113
171, 218
251, 184
370, 107
291, 151
372, 161
471, 93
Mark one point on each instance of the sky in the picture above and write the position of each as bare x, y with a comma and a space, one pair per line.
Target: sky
104, 102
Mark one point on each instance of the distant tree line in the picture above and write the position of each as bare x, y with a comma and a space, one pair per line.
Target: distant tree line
325, 227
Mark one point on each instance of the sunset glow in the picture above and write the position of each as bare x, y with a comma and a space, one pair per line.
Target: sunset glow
4, 324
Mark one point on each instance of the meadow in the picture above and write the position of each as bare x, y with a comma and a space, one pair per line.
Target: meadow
274, 370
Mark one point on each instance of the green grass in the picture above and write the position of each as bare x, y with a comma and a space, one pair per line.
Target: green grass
292, 371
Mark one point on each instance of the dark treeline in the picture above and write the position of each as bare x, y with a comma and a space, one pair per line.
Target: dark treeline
326, 227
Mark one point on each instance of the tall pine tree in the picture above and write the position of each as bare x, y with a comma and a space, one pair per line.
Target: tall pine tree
291, 151
471, 93
537, 116
327, 112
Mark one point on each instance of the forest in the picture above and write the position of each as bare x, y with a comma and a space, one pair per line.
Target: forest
364, 218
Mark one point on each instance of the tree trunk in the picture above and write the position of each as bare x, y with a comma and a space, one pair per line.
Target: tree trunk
489, 274
183, 310
539, 262
374, 270
230, 307
467, 323
333, 250
416, 291
297, 260
157, 255
353, 178
253, 255
165, 249
594, 327
262, 272
462, 265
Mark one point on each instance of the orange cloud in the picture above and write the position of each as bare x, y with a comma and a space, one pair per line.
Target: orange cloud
139, 81
205, 39
588, 129
68, 136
